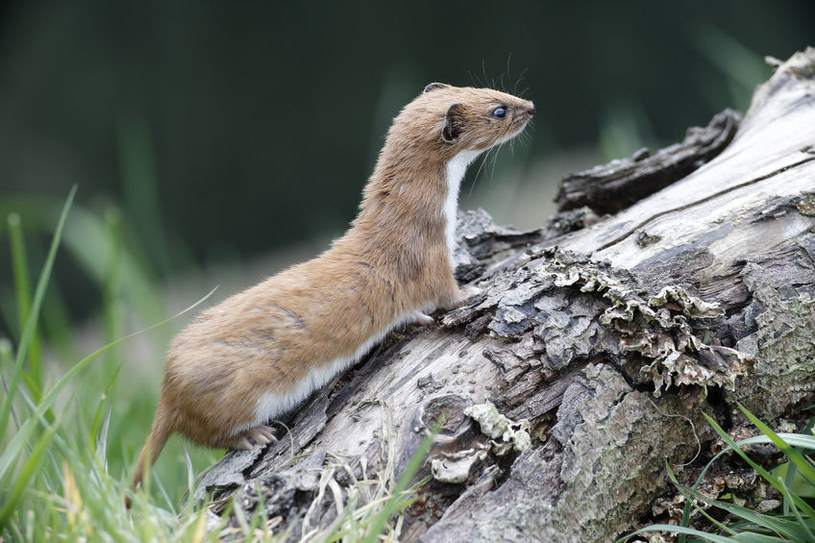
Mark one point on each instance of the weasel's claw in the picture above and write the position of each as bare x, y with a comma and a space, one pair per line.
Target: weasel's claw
423, 319
260, 435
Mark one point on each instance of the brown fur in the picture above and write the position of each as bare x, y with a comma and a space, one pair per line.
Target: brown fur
392, 262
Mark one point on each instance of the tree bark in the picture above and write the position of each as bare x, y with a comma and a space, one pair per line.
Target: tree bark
602, 346
620, 183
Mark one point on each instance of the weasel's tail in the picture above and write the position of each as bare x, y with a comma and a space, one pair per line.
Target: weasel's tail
152, 448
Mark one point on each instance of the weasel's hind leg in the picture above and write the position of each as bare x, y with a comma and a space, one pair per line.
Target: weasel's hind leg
259, 435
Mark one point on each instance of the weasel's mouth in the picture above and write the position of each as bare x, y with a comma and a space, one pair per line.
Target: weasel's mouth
518, 126
520, 122
522, 125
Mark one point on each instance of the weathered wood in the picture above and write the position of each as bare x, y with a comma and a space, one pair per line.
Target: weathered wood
618, 184
612, 344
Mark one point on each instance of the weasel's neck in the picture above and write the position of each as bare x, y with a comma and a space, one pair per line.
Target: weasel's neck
455, 171
409, 209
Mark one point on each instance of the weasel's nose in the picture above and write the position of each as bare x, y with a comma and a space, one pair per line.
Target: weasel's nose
531, 108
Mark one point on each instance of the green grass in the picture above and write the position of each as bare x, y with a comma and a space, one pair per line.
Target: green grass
71, 425
127, 296
794, 480
54, 466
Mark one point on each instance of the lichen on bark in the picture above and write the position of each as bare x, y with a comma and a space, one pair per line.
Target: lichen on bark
782, 286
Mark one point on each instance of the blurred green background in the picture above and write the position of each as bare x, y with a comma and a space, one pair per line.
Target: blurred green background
226, 129
206, 136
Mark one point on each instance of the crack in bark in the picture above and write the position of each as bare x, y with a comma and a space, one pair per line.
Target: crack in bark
703, 200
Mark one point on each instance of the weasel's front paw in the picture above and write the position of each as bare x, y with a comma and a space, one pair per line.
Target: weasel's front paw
422, 318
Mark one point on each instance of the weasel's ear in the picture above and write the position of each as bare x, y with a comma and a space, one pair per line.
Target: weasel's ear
453, 123
436, 86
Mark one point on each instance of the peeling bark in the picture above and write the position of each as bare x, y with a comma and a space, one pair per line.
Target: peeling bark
611, 344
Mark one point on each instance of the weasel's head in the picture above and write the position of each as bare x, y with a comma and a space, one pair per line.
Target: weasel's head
456, 119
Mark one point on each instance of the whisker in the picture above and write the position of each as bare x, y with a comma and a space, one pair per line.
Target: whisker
509, 71
478, 171
495, 161
518, 82
477, 79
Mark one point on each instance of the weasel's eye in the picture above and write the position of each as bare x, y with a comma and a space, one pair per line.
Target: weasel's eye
500, 112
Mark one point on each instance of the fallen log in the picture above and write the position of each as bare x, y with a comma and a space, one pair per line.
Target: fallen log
599, 341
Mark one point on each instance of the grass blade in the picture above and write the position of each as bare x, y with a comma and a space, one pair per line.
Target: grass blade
102, 440
775, 524
795, 457
31, 322
680, 530
19, 440
779, 485
396, 500
111, 301
790, 475
27, 472
22, 288
796, 440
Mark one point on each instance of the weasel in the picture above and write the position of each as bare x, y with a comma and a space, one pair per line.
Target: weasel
259, 353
